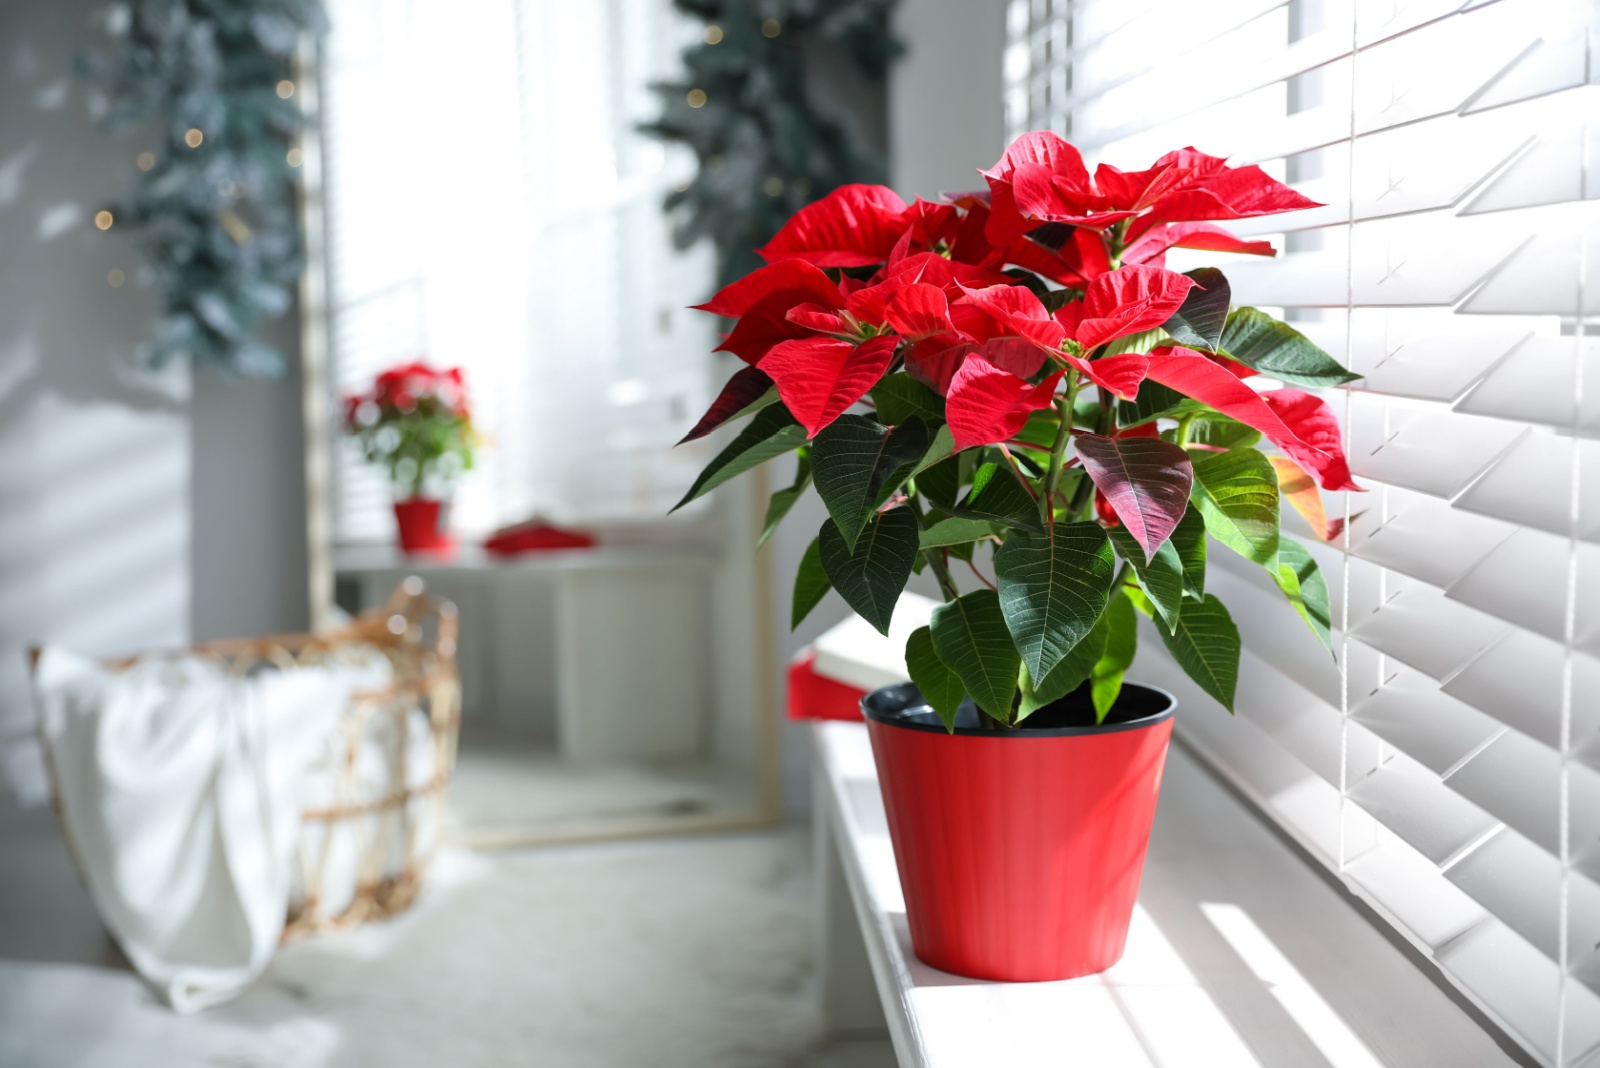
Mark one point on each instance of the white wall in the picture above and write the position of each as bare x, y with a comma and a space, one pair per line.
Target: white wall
135, 510
946, 113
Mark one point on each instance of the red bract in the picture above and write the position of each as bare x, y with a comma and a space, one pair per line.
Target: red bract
853, 226
819, 377
1311, 439
988, 404
762, 301
1124, 302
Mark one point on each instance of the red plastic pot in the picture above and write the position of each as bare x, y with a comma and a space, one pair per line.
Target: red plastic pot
1020, 850
424, 525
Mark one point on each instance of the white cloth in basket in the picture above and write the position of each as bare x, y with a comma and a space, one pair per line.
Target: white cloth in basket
180, 790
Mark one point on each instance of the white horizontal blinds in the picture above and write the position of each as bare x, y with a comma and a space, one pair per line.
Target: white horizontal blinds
1448, 766
491, 205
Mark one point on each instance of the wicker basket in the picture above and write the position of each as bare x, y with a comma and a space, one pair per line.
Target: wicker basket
365, 843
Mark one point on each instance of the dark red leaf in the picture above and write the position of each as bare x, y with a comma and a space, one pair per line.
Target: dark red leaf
1146, 481
747, 384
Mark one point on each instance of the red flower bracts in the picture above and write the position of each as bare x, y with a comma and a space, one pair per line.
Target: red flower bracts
1016, 368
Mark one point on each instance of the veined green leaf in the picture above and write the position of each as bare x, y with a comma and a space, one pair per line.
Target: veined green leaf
1141, 342
871, 576
944, 443
1301, 581
1237, 494
1161, 578
1053, 586
1257, 340
1121, 626
899, 397
772, 432
1155, 401
1223, 433
996, 495
783, 500
1206, 646
1199, 322
857, 463
955, 532
939, 686
971, 638
1066, 676
940, 484
1189, 539
810, 584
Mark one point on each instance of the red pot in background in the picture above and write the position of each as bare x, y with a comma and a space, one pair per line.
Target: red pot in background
424, 525
1020, 850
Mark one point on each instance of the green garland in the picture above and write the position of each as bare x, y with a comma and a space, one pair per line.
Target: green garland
215, 209
764, 148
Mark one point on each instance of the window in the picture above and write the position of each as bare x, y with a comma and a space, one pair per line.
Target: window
490, 204
1448, 767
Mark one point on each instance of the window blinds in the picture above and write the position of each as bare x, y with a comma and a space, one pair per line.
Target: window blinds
490, 204
1448, 766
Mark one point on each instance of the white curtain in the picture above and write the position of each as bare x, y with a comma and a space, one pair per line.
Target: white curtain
490, 204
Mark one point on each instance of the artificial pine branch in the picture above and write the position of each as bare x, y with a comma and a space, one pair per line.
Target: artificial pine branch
765, 149
216, 219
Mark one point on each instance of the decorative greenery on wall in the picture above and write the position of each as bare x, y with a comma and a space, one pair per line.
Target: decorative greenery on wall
765, 149
214, 210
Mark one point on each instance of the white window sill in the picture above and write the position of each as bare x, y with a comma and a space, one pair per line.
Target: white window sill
1240, 953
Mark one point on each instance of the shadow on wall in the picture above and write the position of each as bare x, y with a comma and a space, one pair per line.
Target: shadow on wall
94, 450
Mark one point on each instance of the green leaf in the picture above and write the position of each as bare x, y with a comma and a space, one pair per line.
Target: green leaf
944, 443
858, 463
1121, 626
1223, 433
772, 432
1067, 676
1053, 586
871, 576
1189, 539
899, 397
783, 500
1142, 342
941, 483
1257, 340
955, 532
939, 686
1155, 401
1199, 322
972, 640
1206, 645
1301, 581
810, 584
997, 495
1237, 494
1162, 577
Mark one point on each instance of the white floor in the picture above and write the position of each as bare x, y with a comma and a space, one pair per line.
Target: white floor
691, 952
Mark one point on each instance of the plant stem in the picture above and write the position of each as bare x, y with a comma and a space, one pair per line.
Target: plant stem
941, 570
1058, 448
1184, 424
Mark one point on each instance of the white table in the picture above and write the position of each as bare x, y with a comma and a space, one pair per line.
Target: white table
1240, 954
646, 606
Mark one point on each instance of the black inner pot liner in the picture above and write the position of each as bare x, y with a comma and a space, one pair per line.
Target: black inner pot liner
1076, 710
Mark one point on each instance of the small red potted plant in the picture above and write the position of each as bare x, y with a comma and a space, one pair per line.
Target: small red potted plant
416, 422
1012, 380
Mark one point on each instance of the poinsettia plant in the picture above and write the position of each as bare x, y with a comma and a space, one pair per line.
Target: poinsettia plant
1015, 369
415, 421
